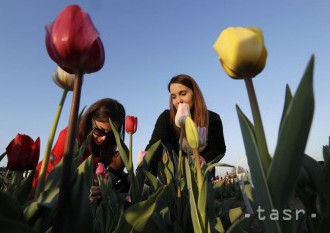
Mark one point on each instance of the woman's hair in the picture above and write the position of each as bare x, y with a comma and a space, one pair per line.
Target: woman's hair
199, 111
102, 110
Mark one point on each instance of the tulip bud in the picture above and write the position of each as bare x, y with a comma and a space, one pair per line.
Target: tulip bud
63, 79
191, 133
131, 124
23, 153
100, 170
241, 51
181, 114
202, 135
140, 157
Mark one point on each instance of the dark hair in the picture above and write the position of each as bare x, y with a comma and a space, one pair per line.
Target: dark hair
199, 111
102, 110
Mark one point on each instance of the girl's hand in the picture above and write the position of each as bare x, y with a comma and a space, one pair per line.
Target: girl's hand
95, 195
202, 161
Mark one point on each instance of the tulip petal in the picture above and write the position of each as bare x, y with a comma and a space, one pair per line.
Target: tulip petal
191, 133
241, 51
73, 42
23, 153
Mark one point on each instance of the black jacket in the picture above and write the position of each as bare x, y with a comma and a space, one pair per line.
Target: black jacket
164, 131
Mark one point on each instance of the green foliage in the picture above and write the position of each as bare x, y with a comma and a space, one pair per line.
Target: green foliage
177, 200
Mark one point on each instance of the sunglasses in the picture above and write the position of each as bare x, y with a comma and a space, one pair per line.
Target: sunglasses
101, 133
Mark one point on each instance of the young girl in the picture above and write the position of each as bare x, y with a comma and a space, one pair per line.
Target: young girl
184, 89
102, 145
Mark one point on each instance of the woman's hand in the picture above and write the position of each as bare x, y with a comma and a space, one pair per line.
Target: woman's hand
202, 161
95, 195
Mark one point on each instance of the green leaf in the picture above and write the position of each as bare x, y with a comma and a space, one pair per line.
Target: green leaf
215, 160
242, 223
136, 216
25, 190
325, 189
123, 150
287, 101
81, 152
218, 226
147, 158
82, 182
292, 141
10, 209
144, 165
54, 177
49, 198
235, 213
155, 183
10, 226
193, 208
39, 216
261, 190
202, 201
314, 171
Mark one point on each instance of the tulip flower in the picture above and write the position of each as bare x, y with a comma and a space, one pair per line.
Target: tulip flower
131, 124
63, 79
182, 112
193, 141
74, 43
241, 51
23, 153
192, 133
242, 54
140, 157
100, 170
202, 135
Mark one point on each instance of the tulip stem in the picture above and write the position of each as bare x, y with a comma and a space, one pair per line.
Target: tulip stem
179, 208
18, 181
180, 162
42, 175
131, 171
260, 134
198, 169
64, 213
3, 155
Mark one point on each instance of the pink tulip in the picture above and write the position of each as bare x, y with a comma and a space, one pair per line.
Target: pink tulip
23, 153
140, 157
100, 170
181, 114
74, 43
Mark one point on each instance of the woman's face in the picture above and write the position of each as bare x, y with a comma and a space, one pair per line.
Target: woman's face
181, 93
102, 132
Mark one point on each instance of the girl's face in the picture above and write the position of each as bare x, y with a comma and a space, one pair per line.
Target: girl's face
102, 132
181, 93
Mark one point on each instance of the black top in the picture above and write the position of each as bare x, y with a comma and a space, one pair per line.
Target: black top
164, 131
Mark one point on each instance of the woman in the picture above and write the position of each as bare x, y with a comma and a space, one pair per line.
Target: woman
184, 89
102, 145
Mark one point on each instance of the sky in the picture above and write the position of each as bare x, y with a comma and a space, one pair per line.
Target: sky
146, 43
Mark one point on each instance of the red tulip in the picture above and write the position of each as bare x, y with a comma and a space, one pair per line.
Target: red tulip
23, 153
74, 43
130, 124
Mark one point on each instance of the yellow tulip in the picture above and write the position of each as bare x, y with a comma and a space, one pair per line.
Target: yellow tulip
242, 52
191, 133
